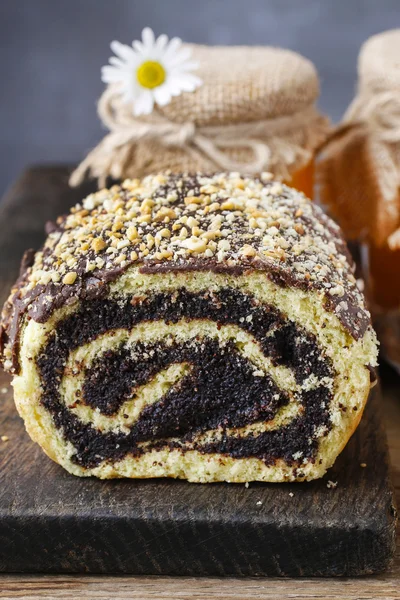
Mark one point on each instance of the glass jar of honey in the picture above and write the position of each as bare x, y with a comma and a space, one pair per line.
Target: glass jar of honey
254, 111
359, 177
360, 168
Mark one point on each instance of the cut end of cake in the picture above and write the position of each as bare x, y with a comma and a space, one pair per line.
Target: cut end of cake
207, 328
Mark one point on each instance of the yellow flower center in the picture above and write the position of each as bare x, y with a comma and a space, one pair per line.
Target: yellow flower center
150, 74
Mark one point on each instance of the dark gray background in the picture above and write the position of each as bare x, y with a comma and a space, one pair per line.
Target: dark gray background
52, 51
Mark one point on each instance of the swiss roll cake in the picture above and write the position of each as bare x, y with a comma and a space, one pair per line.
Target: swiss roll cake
208, 328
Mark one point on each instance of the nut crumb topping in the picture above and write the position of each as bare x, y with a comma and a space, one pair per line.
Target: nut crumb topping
174, 221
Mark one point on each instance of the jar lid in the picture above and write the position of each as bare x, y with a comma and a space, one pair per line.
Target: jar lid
379, 61
244, 84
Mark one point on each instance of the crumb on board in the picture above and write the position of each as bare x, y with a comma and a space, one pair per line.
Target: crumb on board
331, 485
246, 485
363, 465
259, 503
4, 390
291, 494
4, 438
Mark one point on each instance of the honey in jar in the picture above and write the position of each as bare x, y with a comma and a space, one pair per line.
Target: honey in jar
303, 179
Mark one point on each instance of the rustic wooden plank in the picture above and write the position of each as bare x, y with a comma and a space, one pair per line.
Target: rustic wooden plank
53, 522
385, 586
150, 588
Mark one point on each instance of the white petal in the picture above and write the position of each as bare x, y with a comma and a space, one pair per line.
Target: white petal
196, 81
130, 90
186, 66
172, 48
161, 42
138, 46
113, 60
162, 94
111, 74
185, 83
130, 94
126, 96
174, 88
144, 103
122, 50
148, 37
157, 51
179, 57
145, 53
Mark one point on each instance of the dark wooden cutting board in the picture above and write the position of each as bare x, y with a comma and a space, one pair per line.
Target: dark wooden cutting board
53, 522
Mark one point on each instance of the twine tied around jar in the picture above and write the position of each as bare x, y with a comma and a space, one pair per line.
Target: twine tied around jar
112, 156
254, 112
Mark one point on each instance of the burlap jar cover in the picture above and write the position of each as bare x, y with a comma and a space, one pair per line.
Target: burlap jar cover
359, 177
254, 112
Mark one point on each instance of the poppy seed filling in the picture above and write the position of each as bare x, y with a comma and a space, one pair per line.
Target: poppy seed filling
220, 391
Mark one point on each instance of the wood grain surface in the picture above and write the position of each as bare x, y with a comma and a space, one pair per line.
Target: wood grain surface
385, 586
53, 504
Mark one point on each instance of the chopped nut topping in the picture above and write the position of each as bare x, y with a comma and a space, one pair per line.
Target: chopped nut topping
98, 244
195, 244
183, 218
266, 176
70, 278
165, 212
248, 251
132, 233
165, 233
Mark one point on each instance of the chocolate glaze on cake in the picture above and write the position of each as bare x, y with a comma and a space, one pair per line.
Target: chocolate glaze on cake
223, 223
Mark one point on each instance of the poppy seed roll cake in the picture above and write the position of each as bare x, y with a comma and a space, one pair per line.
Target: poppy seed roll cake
202, 327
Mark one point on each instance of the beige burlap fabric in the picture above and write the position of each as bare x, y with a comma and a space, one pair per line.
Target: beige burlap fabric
360, 167
254, 112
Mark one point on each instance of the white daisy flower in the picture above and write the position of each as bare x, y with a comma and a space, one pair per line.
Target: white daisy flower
151, 71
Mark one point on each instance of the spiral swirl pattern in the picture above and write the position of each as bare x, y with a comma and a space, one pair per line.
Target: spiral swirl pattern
221, 398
